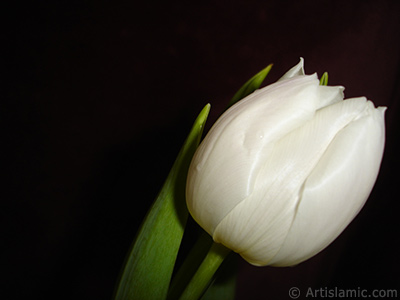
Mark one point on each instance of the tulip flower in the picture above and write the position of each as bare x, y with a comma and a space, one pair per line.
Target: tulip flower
284, 171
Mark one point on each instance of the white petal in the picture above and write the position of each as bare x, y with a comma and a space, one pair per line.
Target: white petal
257, 227
297, 70
330, 94
222, 172
337, 188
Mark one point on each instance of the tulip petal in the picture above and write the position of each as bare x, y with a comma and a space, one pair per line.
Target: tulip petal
337, 188
257, 227
297, 70
224, 168
329, 95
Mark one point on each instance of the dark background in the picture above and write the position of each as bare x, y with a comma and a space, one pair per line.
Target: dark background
100, 95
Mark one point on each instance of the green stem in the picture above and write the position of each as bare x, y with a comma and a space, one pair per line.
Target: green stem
190, 265
202, 278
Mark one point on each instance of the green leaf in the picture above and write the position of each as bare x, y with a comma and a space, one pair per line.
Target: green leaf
324, 79
148, 268
251, 85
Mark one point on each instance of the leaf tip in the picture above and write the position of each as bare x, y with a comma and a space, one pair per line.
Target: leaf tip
324, 79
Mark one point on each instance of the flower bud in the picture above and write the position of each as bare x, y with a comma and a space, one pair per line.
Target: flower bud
283, 172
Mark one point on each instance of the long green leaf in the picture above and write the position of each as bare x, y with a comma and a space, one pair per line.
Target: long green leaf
251, 85
148, 268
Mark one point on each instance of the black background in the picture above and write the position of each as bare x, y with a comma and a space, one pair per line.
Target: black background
99, 96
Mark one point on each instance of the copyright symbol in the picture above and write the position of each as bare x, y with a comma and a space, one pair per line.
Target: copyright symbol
294, 293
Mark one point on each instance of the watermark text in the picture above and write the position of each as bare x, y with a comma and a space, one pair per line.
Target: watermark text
335, 292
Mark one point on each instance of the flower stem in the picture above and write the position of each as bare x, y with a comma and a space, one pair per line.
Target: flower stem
190, 265
204, 274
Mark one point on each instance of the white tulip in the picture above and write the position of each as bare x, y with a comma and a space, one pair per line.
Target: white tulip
283, 172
